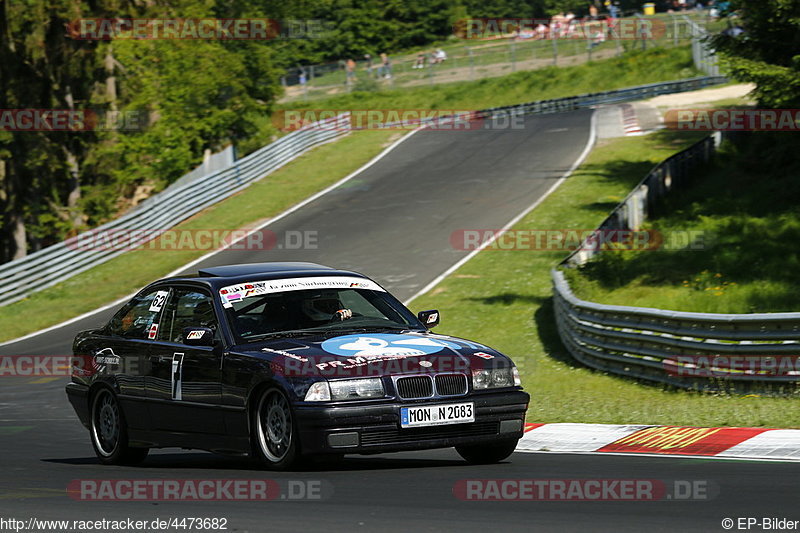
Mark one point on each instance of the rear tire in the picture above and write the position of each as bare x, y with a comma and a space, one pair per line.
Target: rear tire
109, 432
275, 440
484, 454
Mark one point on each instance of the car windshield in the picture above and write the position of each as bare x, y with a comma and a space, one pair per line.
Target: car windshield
316, 311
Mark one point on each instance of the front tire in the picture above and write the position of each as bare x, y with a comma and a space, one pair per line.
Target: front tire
275, 431
484, 454
109, 432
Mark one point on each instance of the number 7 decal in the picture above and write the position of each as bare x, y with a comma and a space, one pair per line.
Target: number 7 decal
177, 372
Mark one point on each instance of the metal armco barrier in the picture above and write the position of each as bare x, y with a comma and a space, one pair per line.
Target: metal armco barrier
56, 263
585, 101
672, 173
679, 348
704, 351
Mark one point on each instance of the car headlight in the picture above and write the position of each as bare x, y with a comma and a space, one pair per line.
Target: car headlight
319, 392
354, 389
345, 389
495, 378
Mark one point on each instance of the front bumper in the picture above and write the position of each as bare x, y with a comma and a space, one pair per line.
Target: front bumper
375, 428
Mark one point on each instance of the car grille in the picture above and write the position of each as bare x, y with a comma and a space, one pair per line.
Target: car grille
415, 387
451, 384
377, 436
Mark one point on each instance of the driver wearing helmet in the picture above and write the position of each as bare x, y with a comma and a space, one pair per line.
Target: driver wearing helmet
325, 307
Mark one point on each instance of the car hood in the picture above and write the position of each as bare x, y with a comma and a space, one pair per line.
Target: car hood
357, 354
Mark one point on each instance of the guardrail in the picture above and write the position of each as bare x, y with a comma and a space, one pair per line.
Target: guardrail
673, 172
584, 101
705, 351
56, 263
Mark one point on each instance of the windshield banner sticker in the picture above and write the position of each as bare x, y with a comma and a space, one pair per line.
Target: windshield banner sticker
236, 293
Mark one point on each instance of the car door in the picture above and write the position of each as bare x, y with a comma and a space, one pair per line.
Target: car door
122, 349
183, 382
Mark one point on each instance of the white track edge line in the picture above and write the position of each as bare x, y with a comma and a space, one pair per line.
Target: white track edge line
588, 148
218, 250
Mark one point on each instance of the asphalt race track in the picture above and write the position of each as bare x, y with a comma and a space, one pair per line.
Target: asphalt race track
393, 222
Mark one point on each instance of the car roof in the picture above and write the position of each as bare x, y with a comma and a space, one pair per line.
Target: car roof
248, 269
221, 276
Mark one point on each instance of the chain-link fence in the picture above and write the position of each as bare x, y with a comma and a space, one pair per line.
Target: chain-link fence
491, 55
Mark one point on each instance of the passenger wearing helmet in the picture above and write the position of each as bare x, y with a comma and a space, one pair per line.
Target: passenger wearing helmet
325, 307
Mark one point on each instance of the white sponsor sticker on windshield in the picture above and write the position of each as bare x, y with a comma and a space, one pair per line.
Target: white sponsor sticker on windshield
236, 293
158, 301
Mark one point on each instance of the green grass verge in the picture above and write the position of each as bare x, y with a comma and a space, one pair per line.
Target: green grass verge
504, 299
633, 68
127, 273
743, 215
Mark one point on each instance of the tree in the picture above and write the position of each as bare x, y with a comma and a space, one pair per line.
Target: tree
197, 95
768, 52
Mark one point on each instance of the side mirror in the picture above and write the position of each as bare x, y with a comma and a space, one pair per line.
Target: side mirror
198, 336
429, 318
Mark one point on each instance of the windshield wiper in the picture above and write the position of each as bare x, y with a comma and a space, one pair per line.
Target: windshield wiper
288, 333
377, 328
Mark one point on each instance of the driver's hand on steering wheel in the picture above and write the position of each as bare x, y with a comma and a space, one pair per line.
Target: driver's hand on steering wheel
342, 315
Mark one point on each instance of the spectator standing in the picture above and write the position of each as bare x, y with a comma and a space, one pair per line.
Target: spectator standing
386, 65
350, 71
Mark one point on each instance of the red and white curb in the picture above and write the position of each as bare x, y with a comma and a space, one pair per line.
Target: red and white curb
723, 442
630, 122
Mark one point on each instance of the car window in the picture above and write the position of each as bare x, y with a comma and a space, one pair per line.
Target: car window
137, 318
356, 302
186, 308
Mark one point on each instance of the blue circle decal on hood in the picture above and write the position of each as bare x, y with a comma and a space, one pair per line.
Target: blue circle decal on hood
382, 344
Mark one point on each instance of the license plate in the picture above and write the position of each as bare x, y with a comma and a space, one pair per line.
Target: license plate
437, 415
